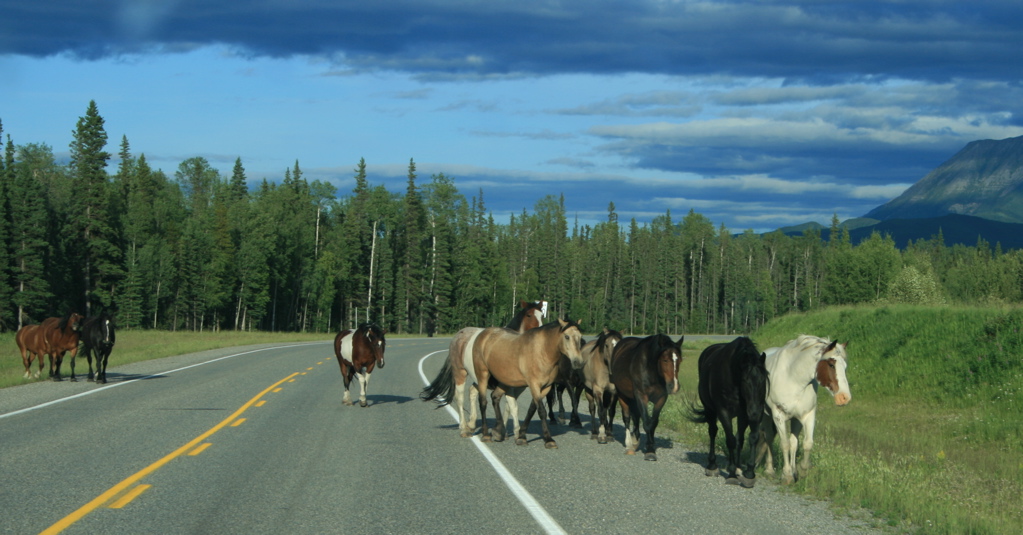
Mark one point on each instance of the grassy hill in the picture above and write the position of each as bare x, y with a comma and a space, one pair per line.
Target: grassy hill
933, 438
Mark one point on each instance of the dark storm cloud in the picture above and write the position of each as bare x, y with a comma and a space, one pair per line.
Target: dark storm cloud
822, 41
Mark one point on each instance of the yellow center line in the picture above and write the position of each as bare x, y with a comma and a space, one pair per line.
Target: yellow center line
238, 422
129, 496
261, 403
98, 501
200, 449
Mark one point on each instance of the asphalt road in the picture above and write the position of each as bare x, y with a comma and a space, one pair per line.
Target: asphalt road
255, 440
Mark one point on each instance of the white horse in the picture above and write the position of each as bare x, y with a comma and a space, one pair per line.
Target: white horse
794, 371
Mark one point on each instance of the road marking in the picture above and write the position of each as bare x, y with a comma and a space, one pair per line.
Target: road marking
97, 502
129, 496
534, 508
261, 403
155, 375
238, 422
200, 449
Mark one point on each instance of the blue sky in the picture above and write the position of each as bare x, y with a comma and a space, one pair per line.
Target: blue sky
755, 114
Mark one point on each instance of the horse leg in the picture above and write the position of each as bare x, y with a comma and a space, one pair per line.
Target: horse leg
788, 443
731, 449
548, 442
347, 373
55, 362
500, 431
574, 393
481, 397
767, 432
591, 404
511, 398
630, 442
363, 387
650, 421
73, 378
88, 360
460, 407
101, 376
712, 458
807, 423
550, 403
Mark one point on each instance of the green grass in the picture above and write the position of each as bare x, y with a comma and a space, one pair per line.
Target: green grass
932, 441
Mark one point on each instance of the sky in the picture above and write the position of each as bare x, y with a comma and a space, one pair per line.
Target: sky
755, 114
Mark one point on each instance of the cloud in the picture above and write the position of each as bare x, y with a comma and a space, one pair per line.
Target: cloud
823, 41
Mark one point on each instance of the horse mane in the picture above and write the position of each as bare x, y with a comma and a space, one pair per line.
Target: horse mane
62, 324
372, 328
808, 341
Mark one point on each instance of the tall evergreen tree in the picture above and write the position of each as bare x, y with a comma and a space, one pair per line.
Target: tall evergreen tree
7, 315
29, 245
90, 221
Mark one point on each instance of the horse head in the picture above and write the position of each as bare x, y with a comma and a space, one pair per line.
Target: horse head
375, 338
755, 383
831, 373
669, 358
73, 322
571, 342
606, 342
529, 316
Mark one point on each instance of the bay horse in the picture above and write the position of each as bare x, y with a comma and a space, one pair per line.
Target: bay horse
32, 346
516, 361
458, 371
600, 391
732, 384
97, 340
796, 369
644, 370
61, 335
358, 352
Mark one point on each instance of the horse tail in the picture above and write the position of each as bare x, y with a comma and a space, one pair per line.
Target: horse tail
442, 389
697, 415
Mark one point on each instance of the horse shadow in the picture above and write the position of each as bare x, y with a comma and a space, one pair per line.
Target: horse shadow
379, 399
113, 377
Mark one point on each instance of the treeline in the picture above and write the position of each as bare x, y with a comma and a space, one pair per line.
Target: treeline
202, 251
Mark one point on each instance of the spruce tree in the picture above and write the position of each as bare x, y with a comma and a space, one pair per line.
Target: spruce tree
28, 232
90, 218
7, 319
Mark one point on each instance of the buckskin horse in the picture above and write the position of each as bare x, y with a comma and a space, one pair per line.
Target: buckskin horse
795, 371
597, 383
458, 372
644, 370
97, 340
358, 351
61, 335
732, 384
518, 361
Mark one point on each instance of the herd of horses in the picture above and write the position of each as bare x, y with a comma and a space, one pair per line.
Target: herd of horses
766, 392
54, 337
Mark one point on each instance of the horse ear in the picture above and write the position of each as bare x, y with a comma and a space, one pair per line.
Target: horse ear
563, 323
763, 359
830, 348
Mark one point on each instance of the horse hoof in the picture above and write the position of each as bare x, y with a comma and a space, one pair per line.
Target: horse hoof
594, 437
747, 483
487, 438
601, 440
73, 379
363, 404
551, 445
731, 481
630, 452
521, 442
650, 457
710, 472
498, 438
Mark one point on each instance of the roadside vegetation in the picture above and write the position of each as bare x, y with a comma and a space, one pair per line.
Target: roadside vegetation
932, 441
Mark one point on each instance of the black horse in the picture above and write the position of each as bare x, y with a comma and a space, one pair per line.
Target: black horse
733, 384
97, 339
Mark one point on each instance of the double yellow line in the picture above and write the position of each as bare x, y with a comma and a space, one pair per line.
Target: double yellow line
119, 488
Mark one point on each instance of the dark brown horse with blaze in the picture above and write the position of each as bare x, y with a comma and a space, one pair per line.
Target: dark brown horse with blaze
518, 361
644, 370
61, 335
458, 371
358, 351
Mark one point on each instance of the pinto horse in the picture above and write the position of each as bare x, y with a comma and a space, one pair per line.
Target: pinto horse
358, 351
458, 371
732, 384
61, 335
795, 371
32, 345
97, 340
597, 383
518, 361
644, 370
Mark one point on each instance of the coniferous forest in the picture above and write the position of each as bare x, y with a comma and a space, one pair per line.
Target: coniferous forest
198, 250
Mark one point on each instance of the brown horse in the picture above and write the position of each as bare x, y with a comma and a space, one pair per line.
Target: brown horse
644, 370
516, 361
61, 335
458, 371
597, 383
32, 345
358, 351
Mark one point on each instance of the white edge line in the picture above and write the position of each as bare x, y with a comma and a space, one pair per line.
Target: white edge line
100, 389
534, 508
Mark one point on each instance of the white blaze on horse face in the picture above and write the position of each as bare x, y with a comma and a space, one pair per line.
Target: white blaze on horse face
844, 395
675, 360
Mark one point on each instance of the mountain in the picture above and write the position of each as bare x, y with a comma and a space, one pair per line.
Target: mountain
954, 228
984, 179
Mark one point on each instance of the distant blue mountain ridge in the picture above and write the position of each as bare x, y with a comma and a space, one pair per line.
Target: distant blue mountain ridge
976, 194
